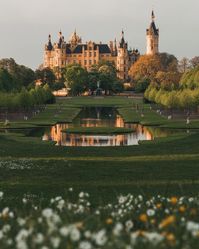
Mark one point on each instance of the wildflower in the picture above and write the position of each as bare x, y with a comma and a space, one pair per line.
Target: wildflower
150, 212
64, 231
85, 245
158, 205
109, 221
24, 200
1, 194
100, 238
182, 209
174, 200
118, 229
39, 238
47, 213
143, 218
171, 238
75, 234
167, 221
55, 241
129, 225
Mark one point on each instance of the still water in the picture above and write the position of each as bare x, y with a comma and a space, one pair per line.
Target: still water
99, 117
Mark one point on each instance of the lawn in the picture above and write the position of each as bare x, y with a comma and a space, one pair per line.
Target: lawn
166, 165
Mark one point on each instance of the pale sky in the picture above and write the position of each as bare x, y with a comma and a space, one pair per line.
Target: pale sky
25, 24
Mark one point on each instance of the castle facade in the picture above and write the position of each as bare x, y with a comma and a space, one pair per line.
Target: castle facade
62, 53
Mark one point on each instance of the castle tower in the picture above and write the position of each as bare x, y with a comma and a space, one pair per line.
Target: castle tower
48, 53
122, 59
152, 35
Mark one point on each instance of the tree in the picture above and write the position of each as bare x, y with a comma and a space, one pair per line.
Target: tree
190, 79
183, 65
168, 80
6, 81
46, 75
21, 75
194, 62
148, 66
76, 79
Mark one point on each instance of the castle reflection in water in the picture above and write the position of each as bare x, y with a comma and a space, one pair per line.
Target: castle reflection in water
64, 139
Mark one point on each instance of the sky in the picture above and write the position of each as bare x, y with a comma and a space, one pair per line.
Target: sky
26, 24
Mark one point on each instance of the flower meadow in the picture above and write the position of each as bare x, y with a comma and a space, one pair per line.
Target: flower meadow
131, 222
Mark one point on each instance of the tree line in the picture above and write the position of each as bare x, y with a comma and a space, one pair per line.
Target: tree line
26, 99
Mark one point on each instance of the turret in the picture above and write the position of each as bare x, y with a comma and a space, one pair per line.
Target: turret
152, 35
122, 58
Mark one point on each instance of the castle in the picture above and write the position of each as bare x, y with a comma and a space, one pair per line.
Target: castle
62, 53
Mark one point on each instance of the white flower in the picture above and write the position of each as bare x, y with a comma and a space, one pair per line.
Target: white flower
1, 235
154, 238
11, 214
55, 241
60, 204
39, 238
122, 199
5, 211
1, 194
75, 234
24, 200
100, 238
47, 213
21, 221
81, 195
129, 224
6, 228
117, 229
150, 212
192, 227
87, 234
70, 190
85, 245
64, 231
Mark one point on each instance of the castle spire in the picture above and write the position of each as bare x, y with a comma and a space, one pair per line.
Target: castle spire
49, 46
152, 16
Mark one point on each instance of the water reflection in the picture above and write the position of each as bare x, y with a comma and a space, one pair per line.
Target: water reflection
98, 117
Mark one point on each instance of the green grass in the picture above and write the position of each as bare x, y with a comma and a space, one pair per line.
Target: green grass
98, 130
169, 164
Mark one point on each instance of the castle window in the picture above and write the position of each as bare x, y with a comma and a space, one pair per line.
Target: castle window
85, 62
95, 54
90, 54
90, 62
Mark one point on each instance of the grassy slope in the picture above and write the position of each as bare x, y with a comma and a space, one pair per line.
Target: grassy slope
166, 164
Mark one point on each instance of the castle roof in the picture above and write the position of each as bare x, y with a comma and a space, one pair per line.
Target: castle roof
103, 48
152, 28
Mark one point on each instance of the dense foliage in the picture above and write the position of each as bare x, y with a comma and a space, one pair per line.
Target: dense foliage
14, 76
26, 99
161, 69
102, 76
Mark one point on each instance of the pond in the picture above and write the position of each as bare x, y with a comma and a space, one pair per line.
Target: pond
100, 117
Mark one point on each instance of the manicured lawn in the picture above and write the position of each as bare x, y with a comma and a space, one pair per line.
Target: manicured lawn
165, 165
